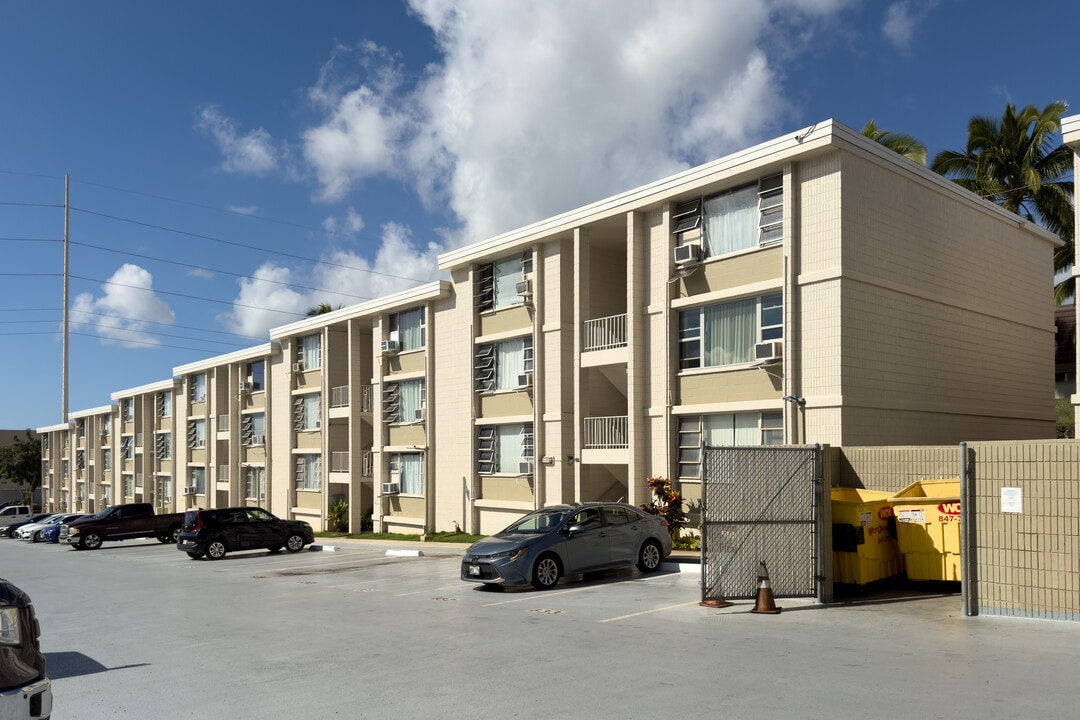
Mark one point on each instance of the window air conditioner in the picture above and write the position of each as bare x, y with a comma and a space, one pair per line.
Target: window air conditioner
258, 440
687, 254
244, 386
524, 289
525, 467
391, 488
190, 490
298, 367
525, 380
772, 350
389, 347
421, 415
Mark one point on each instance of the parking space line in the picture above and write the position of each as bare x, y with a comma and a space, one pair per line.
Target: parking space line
532, 597
649, 612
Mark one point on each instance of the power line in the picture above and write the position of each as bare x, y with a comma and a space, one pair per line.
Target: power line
183, 295
222, 272
101, 337
157, 322
242, 245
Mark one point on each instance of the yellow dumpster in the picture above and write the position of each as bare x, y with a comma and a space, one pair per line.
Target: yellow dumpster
928, 525
864, 536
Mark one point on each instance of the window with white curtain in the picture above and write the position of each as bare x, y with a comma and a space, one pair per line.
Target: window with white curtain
746, 217
411, 400
503, 448
507, 275
499, 366
309, 472
196, 433
725, 334
198, 388
255, 483
197, 479
411, 329
411, 472
724, 430
309, 351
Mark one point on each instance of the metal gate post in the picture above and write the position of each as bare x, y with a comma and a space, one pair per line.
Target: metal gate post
823, 569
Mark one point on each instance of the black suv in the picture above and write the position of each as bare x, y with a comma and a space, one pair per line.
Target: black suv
214, 533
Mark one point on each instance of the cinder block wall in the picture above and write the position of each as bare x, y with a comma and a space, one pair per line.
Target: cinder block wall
1026, 563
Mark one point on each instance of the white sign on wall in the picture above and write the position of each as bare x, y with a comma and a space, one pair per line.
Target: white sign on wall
1012, 500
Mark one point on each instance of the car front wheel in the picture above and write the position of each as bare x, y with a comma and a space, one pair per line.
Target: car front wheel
546, 573
294, 543
649, 557
91, 541
215, 549
39, 536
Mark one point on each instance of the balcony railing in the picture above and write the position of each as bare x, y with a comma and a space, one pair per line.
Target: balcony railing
223, 473
223, 423
366, 403
339, 396
604, 333
339, 462
604, 433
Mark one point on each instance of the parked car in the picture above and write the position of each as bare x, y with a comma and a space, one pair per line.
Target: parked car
10, 530
213, 533
25, 690
33, 531
561, 540
51, 532
121, 522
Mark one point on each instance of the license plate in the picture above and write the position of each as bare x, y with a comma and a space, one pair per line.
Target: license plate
474, 570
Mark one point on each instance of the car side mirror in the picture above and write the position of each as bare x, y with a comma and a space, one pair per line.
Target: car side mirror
575, 529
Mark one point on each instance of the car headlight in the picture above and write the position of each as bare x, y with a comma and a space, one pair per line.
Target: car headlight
10, 634
511, 554
73, 531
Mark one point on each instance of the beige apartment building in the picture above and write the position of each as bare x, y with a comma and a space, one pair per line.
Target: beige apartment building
817, 288
223, 454
352, 417
145, 464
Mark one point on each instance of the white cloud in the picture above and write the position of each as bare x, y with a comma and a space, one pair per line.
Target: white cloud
902, 20
343, 278
350, 224
537, 108
125, 309
244, 209
253, 152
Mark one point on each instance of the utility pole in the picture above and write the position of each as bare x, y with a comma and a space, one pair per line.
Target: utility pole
64, 382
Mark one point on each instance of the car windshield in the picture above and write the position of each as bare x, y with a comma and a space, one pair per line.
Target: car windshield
539, 522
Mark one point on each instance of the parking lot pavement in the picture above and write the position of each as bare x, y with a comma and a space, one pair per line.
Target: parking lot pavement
140, 630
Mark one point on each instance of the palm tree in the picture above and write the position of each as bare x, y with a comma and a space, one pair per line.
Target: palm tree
1020, 163
902, 143
322, 309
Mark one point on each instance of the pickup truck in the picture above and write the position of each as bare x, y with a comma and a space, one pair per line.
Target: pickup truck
10, 514
122, 522
25, 691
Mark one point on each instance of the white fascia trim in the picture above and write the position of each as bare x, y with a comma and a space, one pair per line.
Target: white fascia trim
53, 428
144, 389
1070, 131
266, 350
103, 410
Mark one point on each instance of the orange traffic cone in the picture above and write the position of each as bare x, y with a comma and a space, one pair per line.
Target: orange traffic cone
765, 604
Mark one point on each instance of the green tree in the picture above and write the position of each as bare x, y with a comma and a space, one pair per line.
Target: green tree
1019, 162
20, 462
322, 309
902, 143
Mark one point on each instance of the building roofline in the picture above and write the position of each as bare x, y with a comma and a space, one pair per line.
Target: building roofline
53, 428
1070, 131
92, 411
816, 138
264, 350
143, 389
412, 296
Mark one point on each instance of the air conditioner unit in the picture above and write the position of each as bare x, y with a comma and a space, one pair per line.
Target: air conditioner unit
524, 289
421, 414
258, 440
244, 386
389, 347
525, 380
391, 488
298, 367
78, 498
687, 254
772, 350
190, 490
525, 467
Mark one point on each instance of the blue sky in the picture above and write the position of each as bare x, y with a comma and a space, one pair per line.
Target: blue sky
234, 163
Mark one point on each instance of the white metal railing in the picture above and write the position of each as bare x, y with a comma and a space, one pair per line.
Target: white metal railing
366, 399
339, 396
223, 423
339, 461
606, 432
604, 333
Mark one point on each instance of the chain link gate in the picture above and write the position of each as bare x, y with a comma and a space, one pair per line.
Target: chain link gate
759, 504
